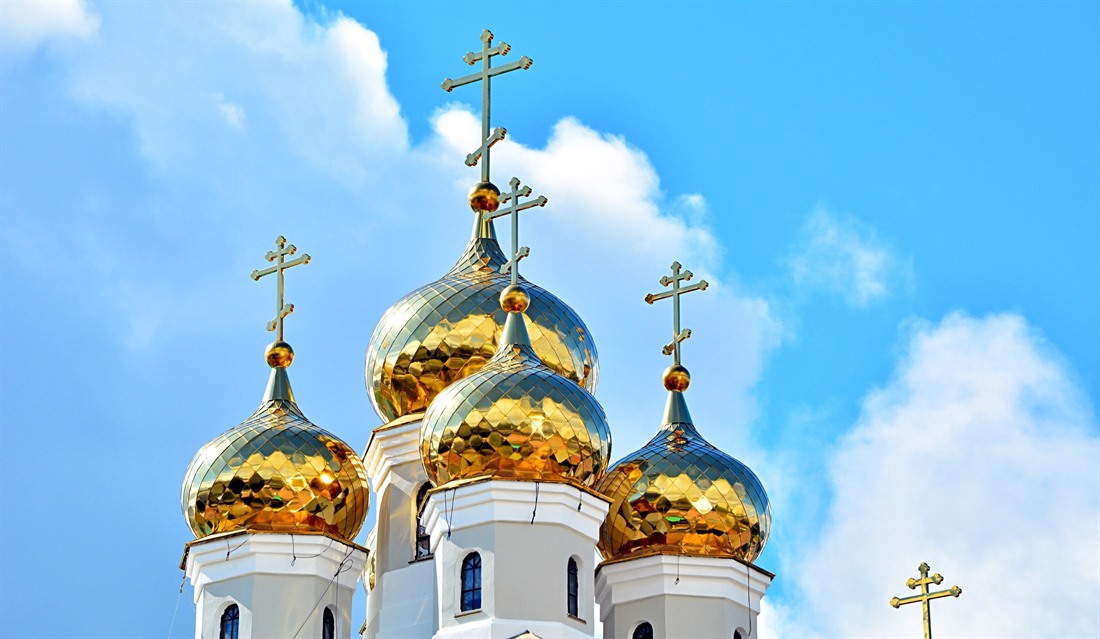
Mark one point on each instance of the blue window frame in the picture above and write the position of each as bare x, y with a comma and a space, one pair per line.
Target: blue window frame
471, 582
571, 587
643, 631
231, 621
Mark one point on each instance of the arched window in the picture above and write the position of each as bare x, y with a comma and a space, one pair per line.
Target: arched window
423, 539
231, 621
643, 631
328, 625
471, 582
737, 635
571, 587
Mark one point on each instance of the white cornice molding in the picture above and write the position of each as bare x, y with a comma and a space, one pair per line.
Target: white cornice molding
504, 501
680, 575
390, 447
231, 557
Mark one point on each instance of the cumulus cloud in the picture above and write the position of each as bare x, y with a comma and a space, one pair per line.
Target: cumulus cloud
27, 24
277, 121
980, 458
604, 240
841, 255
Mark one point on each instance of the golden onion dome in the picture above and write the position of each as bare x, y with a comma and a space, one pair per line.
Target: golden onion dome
450, 328
680, 495
276, 472
515, 418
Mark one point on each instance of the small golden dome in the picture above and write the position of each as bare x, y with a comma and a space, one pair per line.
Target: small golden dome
676, 378
484, 196
276, 472
279, 355
450, 328
515, 419
680, 495
514, 299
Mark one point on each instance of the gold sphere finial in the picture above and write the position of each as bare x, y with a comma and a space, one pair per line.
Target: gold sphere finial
677, 378
514, 299
484, 197
279, 355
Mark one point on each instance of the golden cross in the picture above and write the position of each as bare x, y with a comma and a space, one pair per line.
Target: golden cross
678, 336
487, 71
518, 252
924, 597
281, 309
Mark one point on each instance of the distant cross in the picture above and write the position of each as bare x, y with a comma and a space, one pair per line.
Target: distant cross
281, 309
518, 252
487, 71
673, 348
924, 597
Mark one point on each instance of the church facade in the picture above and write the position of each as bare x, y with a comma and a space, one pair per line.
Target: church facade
499, 513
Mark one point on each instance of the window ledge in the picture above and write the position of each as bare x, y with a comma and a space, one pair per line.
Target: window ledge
576, 618
467, 613
416, 560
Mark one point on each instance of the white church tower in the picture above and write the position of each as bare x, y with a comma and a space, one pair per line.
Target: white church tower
431, 340
686, 522
275, 504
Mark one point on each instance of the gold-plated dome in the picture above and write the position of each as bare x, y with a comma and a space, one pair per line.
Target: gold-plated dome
276, 472
680, 495
449, 329
515, 418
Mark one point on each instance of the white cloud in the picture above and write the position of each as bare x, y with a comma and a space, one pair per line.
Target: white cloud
841, 255
980, 456
320, 152
26, 24
232, 113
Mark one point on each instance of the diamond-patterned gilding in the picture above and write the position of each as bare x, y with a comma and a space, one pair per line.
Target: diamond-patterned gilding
515, 419
277, 472
680, 495
450, 328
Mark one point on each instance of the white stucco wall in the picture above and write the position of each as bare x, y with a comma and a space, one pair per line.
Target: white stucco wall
524, 564
682, 597
281, 583
402, 602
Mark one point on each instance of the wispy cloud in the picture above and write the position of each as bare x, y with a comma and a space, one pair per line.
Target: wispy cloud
27, 24
979, 457
841, 255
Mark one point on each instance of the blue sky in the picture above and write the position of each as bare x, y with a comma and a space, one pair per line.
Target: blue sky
898, 205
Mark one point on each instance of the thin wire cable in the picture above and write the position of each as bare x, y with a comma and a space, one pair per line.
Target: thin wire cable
341, 567
449, 513
172, 627
296, 556
536, 508
229, 551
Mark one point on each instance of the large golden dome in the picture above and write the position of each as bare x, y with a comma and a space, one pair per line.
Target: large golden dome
276, 472
450, 328
680, 495
515, 418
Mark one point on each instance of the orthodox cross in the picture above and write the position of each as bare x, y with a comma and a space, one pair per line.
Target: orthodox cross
673, 348
924, 597
487, 71
281, 309
513, 209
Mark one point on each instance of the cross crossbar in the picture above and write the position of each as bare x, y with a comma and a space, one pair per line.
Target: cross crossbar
487, 72
925, 596
281, 308
513, 208
678, 335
